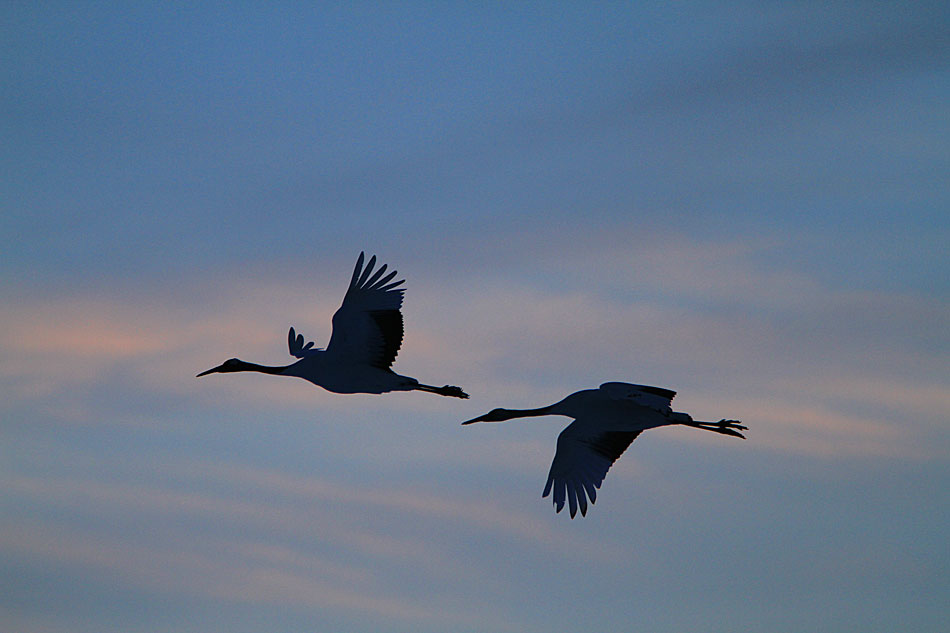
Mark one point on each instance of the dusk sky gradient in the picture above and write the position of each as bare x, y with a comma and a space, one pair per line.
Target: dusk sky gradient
745, 202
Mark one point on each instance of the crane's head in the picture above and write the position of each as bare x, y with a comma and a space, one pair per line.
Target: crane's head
232, 364
495, 415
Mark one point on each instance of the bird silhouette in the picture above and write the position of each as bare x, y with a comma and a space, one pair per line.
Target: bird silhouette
606, 421
367, 335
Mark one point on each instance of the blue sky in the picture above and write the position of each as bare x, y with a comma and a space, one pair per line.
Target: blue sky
744, 202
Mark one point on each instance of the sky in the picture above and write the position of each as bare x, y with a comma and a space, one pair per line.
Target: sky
744, 202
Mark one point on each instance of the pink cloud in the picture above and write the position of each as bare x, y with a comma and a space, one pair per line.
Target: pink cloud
512, 342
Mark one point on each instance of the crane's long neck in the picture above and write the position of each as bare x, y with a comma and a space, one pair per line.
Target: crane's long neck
264, 369
501, 415
510, 414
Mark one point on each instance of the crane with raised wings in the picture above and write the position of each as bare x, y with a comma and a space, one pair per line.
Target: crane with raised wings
367, 335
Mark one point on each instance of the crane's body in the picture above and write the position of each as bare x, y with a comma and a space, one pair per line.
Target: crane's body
323, 371
343, 377
367, 335
606, 421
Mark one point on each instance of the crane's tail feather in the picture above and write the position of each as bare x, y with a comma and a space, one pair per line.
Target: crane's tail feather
446, 390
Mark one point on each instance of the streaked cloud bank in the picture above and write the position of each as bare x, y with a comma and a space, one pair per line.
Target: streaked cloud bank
745, 203
746, 341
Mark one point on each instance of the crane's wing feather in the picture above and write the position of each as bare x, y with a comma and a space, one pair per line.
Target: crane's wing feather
295, 342
581, 462
368, 326
656, 398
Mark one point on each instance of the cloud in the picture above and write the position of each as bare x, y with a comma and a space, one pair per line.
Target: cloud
705, 318
717, 322
193, 572
60, 346
292, 504
252, 535
475, 515
863, 43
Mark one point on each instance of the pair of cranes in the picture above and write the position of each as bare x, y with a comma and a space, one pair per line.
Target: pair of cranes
367, 334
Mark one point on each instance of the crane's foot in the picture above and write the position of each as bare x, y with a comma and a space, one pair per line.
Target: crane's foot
445, 390
453, 391
726, 427
731, 427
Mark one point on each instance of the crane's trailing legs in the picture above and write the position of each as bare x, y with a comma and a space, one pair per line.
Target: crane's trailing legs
446, 390
726, 427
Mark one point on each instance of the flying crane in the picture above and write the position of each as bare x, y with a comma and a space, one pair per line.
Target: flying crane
367, 335
606, 421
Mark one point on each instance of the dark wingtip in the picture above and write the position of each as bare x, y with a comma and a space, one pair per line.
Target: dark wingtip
357, 269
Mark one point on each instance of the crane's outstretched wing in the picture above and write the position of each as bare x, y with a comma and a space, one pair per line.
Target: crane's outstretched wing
656, 398
581, 462
368, 326
296, 344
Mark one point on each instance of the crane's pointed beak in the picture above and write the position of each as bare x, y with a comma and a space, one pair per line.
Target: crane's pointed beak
213, 370
474, 420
